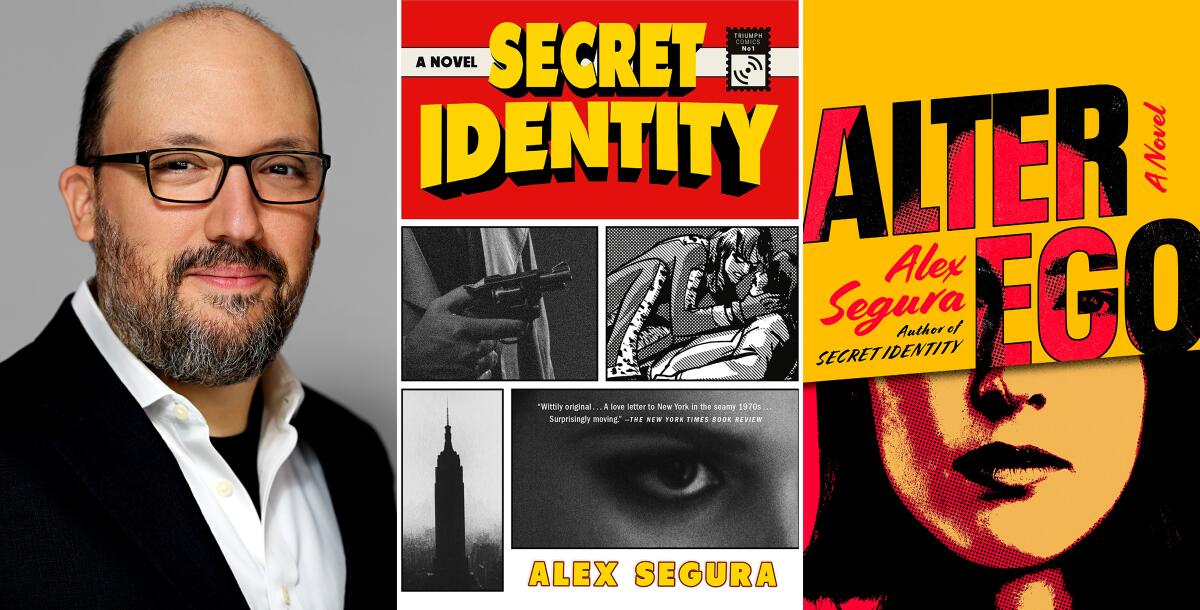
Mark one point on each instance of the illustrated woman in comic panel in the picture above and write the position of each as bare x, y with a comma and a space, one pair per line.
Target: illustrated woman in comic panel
744, 352
686, 288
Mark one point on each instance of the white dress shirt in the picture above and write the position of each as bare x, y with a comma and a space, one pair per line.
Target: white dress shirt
289, 559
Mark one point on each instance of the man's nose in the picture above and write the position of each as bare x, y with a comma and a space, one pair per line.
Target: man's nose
997, 393
233, 215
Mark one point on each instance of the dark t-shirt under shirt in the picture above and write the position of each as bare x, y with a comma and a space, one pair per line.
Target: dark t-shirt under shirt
241, 450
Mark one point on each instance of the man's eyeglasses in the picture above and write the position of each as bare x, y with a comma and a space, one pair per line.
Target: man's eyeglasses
195, 175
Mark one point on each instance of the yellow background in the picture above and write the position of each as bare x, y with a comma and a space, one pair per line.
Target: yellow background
875, 54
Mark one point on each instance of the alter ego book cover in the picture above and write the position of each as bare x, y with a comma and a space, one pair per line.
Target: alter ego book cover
1000, 257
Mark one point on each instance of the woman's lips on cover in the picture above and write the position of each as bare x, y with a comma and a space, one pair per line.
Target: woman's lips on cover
1006, 471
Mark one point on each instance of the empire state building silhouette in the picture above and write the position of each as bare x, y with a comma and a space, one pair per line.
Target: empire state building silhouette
450, 572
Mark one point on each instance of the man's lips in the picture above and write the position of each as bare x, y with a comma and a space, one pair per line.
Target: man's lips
229, 276
1006, 471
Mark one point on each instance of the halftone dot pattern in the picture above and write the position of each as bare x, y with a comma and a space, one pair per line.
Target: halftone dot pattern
914, 389
908, 219
954, 165
1056, 287
627, 362
626, 247
956, 147
990, 351
624, 244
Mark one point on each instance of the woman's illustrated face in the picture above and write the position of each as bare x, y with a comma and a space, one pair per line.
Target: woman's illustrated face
1010, 467
737, 267
659, 478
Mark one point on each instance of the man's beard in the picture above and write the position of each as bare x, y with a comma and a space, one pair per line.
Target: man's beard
173, 340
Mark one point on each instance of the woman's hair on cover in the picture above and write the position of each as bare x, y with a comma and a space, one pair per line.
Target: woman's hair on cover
866, 545
744, 241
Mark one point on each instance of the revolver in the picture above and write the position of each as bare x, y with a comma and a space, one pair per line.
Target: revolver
517, 296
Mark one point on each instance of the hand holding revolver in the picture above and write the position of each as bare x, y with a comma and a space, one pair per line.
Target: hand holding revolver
459, 334
445, 345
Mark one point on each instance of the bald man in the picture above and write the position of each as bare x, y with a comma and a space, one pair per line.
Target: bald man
156, 451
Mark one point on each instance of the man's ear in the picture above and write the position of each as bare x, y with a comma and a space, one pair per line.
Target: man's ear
316, 240
78, 188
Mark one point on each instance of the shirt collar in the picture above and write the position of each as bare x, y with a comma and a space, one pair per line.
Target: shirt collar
282, 392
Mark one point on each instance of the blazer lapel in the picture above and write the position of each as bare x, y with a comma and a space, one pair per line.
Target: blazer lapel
110, 444
340, 480
360, 487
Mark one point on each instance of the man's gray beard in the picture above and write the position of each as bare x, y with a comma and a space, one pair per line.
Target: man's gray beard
146, 314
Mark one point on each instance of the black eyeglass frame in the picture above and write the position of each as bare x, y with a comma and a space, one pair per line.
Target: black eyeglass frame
143, 158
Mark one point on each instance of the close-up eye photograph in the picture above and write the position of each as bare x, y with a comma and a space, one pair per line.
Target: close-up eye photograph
655, 469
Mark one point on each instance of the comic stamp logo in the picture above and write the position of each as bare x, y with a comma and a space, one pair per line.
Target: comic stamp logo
748, 59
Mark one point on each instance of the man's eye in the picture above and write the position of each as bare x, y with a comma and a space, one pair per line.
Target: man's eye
282, 166
283, 169
177, 164
674, 478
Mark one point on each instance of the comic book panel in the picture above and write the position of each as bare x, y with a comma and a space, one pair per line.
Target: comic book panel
452, 515
498, 303
701, 303
673, 468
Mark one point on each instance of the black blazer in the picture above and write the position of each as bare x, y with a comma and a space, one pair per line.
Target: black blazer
95, 513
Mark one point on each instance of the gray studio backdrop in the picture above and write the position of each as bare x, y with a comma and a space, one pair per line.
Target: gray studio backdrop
344, 343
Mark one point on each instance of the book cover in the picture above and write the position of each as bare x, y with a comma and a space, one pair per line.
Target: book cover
1000, 249
599, 109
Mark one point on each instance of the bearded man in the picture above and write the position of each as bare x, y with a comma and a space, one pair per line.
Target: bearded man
156, 451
